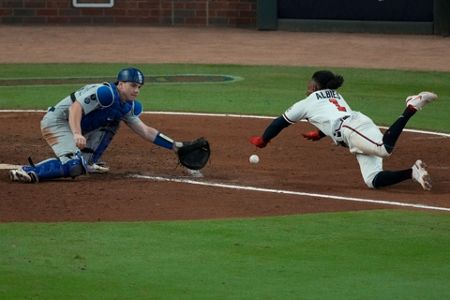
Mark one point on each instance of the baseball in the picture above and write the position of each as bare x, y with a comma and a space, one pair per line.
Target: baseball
253, 159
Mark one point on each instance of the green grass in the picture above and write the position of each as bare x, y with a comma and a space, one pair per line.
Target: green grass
267, 90
354, 255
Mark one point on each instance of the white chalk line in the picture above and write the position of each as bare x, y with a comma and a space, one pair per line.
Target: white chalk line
219, 115
286, 192
9, 166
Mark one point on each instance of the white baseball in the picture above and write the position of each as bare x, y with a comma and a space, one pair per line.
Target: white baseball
253, 159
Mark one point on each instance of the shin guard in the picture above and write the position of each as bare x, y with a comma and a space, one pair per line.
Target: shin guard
53, 168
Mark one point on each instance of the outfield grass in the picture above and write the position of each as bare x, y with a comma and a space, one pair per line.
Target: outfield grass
389, 254
352, 255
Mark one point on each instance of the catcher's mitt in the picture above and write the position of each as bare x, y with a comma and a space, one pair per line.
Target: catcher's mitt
195, 154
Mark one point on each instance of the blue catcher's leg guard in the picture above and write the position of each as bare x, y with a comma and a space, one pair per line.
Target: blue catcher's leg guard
98, 142
53, 168
104, 143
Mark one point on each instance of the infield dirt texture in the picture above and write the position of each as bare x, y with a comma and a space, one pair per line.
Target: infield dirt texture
333, 170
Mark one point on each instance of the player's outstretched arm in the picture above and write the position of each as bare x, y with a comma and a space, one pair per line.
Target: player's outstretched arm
154, 136
271, 131
193, 155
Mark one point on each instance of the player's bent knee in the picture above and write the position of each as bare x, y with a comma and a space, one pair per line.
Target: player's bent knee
368, 180
383, 153
73, 168
379, 151
369, 184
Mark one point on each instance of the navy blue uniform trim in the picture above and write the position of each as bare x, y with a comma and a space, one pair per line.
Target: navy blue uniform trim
275, 128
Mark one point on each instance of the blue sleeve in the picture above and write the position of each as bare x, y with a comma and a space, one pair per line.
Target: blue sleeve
275, 128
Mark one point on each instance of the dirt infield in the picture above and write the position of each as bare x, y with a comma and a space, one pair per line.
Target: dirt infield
288, 164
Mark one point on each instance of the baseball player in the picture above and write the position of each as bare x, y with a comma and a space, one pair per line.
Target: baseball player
81, 126
327, 110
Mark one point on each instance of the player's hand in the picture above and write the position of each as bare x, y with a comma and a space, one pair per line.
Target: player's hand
258, 141
314, 135
80, 141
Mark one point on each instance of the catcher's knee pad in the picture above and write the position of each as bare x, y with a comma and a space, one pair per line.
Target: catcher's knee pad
74, 167
53, 168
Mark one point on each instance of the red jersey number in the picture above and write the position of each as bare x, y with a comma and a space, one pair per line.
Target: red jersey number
340, 108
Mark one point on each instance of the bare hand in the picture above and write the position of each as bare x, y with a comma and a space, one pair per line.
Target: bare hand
80, 141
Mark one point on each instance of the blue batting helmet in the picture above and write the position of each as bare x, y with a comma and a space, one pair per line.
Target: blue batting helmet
131, 75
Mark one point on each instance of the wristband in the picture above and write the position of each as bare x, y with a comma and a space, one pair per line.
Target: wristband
163, 141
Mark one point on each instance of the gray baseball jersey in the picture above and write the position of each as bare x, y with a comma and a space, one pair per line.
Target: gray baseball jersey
96, 115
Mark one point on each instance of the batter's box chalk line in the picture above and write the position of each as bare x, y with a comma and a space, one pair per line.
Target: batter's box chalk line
286, 192
9, 166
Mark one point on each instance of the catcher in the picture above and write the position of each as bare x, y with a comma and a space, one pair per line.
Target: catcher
81, 126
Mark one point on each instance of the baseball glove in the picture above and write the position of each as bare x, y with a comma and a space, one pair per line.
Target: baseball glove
194, 154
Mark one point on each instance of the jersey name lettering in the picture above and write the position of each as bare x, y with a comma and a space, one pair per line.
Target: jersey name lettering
327, 94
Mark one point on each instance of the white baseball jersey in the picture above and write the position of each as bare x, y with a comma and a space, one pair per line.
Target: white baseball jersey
329, 112
324, 109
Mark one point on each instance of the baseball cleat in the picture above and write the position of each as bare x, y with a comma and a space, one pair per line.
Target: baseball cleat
419, 101
97, 169
20, 175
420, 175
